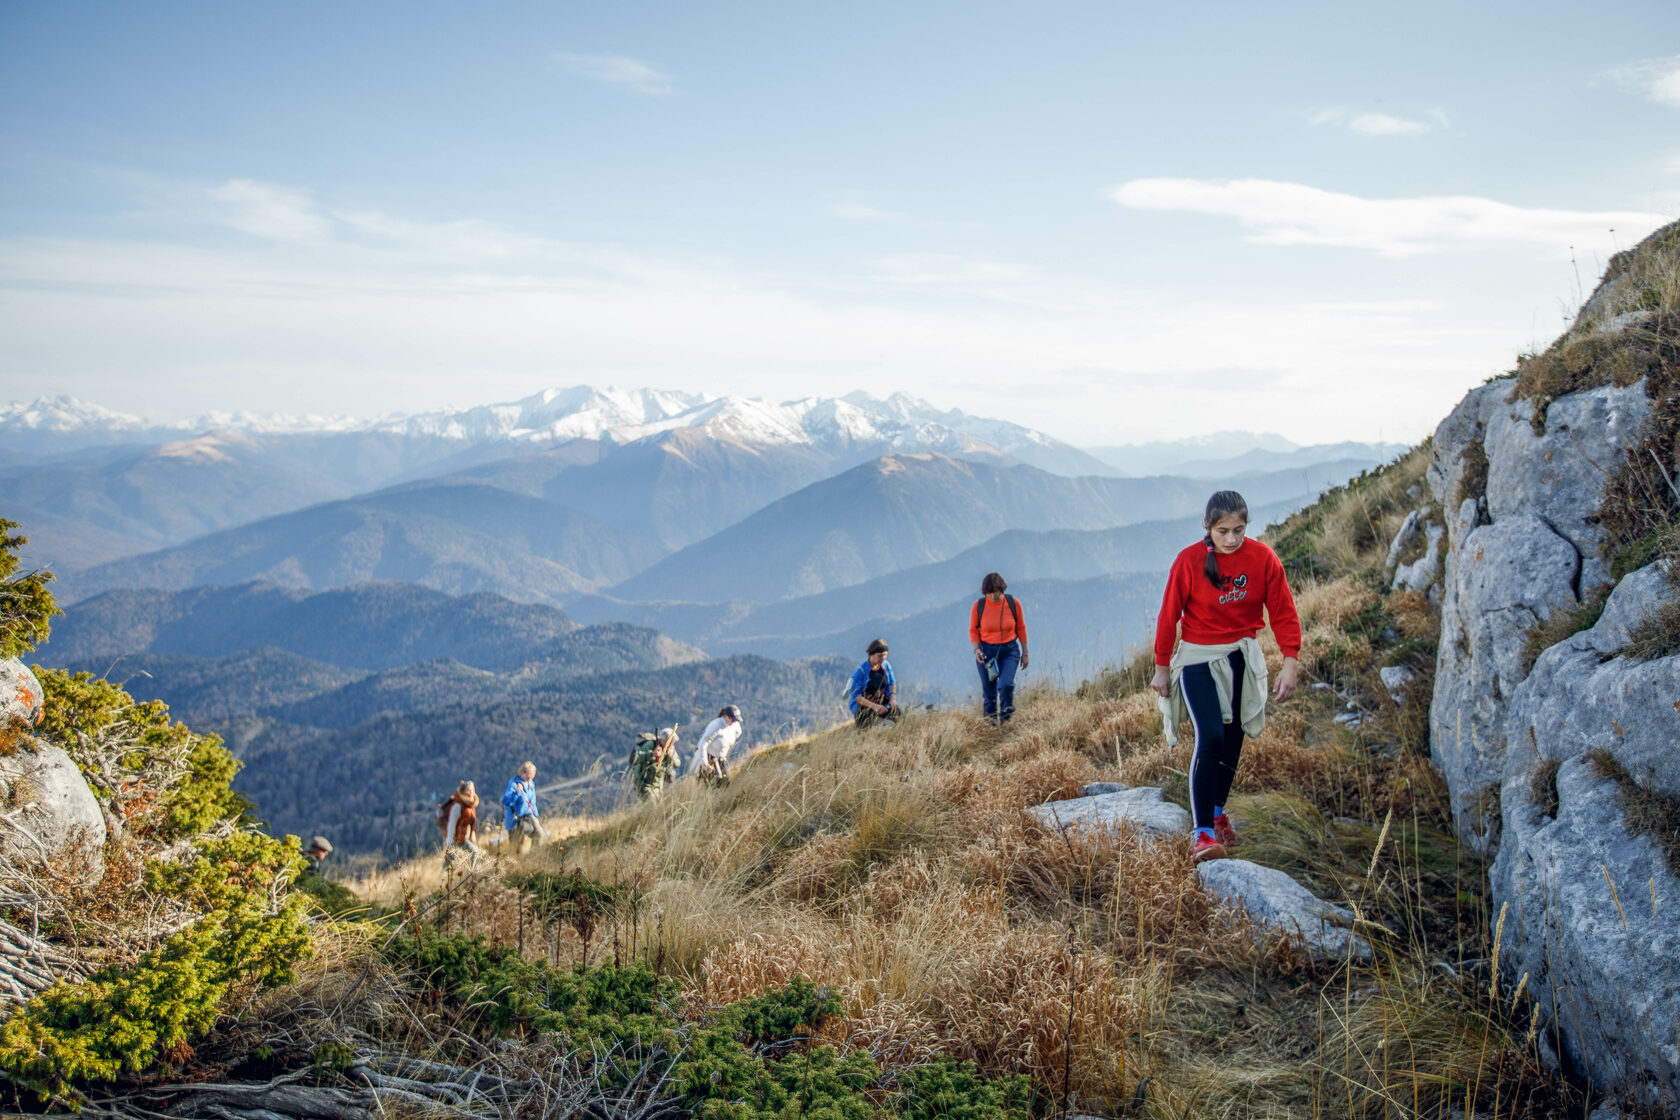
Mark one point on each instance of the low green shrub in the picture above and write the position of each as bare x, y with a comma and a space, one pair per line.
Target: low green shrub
129, 1019
754, 1059
26, 604
83, 704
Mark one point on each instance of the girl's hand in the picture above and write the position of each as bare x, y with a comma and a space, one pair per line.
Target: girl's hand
1025, 660
1162, 683
978, 656
1285, 687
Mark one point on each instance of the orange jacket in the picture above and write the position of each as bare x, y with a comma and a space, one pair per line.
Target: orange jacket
995, 622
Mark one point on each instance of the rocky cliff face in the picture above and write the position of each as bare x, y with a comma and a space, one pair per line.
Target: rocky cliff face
1563, 759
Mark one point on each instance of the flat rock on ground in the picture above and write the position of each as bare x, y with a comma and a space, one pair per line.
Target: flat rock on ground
1141, 807
1280, 904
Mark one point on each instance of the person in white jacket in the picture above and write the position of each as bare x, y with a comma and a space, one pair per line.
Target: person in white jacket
711, 754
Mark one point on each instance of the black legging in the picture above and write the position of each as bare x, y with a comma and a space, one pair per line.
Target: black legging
1218, 744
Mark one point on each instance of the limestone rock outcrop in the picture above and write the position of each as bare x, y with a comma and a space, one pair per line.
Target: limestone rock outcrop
1523, 544
1545, 756
1596, 908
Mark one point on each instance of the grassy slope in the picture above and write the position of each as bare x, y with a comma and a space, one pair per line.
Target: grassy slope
898, 868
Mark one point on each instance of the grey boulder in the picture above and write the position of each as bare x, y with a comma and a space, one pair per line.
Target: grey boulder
47, 813
1278, 904
1142, 807
1396, 680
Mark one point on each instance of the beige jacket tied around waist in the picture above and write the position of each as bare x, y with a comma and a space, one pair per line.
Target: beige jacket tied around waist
1217, 658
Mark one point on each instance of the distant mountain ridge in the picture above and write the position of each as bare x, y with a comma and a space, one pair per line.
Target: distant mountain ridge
120, 500
739, 626
458, 538
367, 627
350, 708
1224, 454
903, 511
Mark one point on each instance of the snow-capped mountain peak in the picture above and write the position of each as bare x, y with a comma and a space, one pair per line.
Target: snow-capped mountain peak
850, 423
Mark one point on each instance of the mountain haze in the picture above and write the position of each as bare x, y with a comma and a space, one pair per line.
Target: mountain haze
904, 511
367, 627
120, 501
457, 538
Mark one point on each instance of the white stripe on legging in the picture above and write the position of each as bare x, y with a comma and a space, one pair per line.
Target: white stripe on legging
1196, 753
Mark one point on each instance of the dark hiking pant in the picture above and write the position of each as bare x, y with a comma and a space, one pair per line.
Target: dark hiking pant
998, 697
867, 718
1218, 744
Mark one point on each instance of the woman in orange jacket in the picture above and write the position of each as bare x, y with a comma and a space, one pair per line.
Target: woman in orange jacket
997, 629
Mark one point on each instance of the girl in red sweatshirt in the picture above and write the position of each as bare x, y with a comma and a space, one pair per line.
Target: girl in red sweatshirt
1216, 674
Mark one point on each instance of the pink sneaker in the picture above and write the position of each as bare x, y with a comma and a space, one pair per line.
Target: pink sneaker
1223, 832
1206, 847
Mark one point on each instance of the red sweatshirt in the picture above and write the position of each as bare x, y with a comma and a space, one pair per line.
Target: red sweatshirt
1250, 578
995, 622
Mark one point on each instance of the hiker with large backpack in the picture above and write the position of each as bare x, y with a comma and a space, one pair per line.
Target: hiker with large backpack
457, 816
997, 629
519, 810
711, 754
653, 762
873, 693
1216, 673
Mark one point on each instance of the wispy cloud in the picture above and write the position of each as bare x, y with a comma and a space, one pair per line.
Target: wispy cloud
268, 211
947, 270
617, 70
862, 212
370, 310
1278, 213
1379, 124
1655, 78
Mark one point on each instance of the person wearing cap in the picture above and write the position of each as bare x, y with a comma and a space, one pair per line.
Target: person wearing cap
519, 809
318, 849
330, 898
711, 754
874, 689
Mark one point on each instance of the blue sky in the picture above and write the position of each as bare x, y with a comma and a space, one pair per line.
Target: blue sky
1107, 221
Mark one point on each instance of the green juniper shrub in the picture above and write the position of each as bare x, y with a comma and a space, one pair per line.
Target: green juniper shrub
750, 1060
127, 1019
946, 1089
574, 899
333, 899
794, 1011
504, 992
84, 704
26, 605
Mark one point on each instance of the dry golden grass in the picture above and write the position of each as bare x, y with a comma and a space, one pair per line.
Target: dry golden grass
898, 868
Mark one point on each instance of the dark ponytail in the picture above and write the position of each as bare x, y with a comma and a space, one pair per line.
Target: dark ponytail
1223, 504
